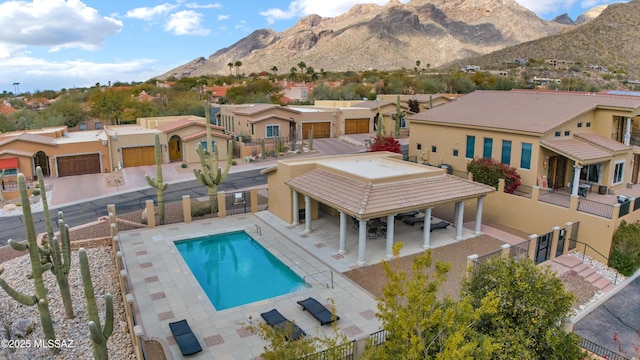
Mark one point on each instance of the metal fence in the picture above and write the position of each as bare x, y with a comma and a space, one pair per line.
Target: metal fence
625, 207
556, 198
601, 351
377, 338
344, 351
596, 208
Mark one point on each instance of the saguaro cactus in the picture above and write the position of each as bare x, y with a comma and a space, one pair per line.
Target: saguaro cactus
37, 268
398, 116
157, 182
210, 173
99, 335
60, 258
379, 122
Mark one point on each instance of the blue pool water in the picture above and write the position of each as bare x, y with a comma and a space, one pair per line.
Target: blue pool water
233, 269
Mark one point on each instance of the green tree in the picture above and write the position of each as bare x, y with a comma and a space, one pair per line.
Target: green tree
489, 171
237, 65
274, 69
532, 307
72, 109
293, 73
230, 65
418, 325
302, 66
108, 104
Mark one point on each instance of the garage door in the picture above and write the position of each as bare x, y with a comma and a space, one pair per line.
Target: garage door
356, 126
138, 156
320, 130
78, 165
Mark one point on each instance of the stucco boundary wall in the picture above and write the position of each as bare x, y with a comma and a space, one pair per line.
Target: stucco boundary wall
535, 217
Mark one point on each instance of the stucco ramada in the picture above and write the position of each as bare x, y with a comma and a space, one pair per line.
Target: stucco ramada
367, 186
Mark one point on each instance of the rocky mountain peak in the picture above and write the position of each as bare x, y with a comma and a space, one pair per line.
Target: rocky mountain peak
563, 19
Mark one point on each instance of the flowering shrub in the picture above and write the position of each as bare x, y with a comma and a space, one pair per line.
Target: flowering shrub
385, 143
489, 171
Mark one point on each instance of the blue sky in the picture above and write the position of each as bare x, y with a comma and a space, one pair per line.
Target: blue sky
54, 44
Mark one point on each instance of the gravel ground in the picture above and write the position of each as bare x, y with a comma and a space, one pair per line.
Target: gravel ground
74, 331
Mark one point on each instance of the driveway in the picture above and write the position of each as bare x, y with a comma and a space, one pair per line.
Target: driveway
619, 315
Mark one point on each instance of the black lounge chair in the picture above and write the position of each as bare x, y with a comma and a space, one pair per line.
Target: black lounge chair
413, 220
439, 225
291, 331
319, 311
185, 338
408, 214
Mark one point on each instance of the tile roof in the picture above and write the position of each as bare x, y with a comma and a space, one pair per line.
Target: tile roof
368, 200
17, 153
528, 111
579, 149
372, 104
256, 108
267, 117
602, 141
34, 138
202, 133
179, 124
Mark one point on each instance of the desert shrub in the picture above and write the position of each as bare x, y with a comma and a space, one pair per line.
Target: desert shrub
184, 165
233, 162
35, 192
625, 248
199, 209
489, 171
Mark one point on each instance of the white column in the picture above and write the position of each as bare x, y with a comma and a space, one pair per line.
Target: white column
627, 132
296, 211
362, 242
460, 205
576, 180
426, 235
479, 216
390, 227
307, 214
343, 233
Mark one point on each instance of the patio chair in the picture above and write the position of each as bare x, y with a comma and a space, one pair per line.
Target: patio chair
319, 311
291, 331
439, 225
185, 338
408, 214
413, 220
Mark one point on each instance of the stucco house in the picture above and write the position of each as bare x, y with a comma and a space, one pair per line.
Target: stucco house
56, 150
574, 145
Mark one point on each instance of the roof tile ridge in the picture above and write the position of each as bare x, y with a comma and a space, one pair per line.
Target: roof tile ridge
365, 198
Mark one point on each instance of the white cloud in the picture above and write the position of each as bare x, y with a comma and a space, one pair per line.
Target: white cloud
149, 13
547, 6
205, 6
186, 22
33, 73
222, 17
54, 23
325, 8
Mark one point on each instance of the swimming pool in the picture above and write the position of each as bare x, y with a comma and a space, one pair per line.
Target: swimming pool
233, 269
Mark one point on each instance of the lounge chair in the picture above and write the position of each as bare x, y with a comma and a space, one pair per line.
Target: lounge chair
291, 331
413, 220
185, 338
408, 214
439, 225
319, 311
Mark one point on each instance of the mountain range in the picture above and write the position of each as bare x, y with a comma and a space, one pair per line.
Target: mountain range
389, 37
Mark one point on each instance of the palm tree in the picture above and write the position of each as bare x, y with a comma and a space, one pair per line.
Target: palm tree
237, 64
302, 65
230, 65
292, 74
417, 66
275, 70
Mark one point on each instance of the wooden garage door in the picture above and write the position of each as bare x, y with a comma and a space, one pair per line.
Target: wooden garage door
356, 126
138, 156
78, 165
320, 130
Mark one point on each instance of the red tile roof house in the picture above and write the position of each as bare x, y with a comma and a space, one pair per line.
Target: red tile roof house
575, 152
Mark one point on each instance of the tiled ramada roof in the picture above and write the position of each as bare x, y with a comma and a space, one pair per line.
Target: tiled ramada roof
585, 148
368, 200
178, 124
526, 111
38, 139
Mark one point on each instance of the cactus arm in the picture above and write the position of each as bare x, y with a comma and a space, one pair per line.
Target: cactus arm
108, 319
19, 246
24, 299
66, 244
46, 267
45, 207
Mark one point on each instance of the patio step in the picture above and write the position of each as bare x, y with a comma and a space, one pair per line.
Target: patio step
602, 283
608, 287
587, 272
580, 268
568, 261
593, 277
